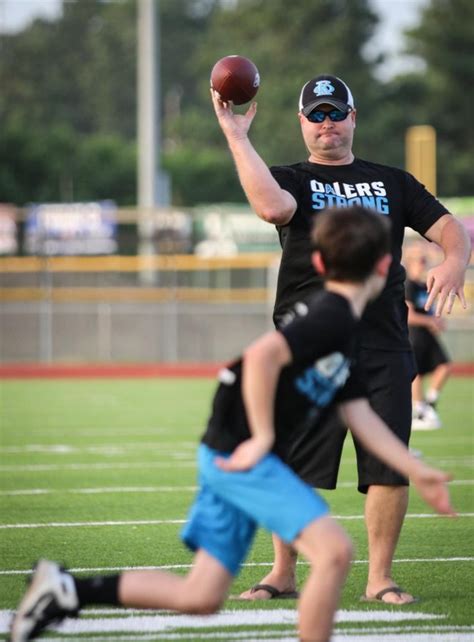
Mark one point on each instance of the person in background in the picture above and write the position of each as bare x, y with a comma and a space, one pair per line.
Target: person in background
431, 357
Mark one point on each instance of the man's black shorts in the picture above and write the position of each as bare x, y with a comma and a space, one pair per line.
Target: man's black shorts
388, 379
429, 353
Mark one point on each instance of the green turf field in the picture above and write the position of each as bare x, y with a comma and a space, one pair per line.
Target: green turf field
98, 474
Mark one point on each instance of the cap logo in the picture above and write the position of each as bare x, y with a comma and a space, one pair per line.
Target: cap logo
324, 88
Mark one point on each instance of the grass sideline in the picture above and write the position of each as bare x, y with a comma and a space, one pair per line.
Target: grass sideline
91, 451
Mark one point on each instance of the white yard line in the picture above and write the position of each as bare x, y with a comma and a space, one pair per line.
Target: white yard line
153, 522
138, 522
187, 460
150, 489
258, 617
124, 446
96, 491
275, 636
96, 466
108, 447
161, 459
452, 461
454, 482
419, 627
119, 569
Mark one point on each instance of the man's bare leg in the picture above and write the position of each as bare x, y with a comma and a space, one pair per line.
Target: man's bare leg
385, 510
283, 573
439, 376
417, 389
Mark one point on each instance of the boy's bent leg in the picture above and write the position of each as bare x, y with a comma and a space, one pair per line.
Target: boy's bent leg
55, 594
202, 591
329, 550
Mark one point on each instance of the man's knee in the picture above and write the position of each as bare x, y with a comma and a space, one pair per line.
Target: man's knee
386, 494
447, 369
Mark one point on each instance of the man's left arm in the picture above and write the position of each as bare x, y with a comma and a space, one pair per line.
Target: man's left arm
446, 280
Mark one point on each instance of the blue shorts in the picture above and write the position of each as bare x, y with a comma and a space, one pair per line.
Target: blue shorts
230, 506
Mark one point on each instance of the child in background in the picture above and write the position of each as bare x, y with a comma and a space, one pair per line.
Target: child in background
431, 356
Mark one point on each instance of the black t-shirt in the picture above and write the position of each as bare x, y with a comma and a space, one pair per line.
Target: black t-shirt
321, 341
416, 293
388, 190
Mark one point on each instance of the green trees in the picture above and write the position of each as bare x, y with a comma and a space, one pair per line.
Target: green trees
68, 97
445, 41
77, 71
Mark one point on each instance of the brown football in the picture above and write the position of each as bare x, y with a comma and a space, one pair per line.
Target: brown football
236, 79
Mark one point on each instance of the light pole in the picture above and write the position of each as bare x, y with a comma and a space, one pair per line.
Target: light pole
152, 184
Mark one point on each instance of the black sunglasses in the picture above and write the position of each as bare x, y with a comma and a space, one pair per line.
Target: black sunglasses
335, 115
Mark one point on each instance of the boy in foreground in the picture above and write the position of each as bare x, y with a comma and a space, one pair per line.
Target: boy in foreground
278, 390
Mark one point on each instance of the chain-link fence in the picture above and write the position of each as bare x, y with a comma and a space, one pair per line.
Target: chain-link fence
151, 309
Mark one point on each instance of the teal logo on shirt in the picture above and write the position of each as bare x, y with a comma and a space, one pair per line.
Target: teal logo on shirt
371, 195
320, 382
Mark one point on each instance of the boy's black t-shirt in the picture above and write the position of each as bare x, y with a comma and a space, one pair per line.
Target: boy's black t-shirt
390, 191
416, 293
321, 340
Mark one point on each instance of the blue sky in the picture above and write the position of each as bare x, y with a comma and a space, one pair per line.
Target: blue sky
396, 15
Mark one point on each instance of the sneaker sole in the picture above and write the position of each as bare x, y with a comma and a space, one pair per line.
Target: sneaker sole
425, 428
30, 602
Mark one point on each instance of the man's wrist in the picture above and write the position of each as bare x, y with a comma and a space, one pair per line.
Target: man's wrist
237, 140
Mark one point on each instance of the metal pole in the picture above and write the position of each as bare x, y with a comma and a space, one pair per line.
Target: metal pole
46, 304
148, 129
148, 125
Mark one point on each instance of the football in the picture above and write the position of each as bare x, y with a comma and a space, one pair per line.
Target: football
236, 79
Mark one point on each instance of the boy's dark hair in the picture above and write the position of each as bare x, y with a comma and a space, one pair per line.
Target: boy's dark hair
351, 240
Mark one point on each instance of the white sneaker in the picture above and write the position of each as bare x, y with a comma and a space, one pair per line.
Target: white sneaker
432, 416
427, 419
50, 598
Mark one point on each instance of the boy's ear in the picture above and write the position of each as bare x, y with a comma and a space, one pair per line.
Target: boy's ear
318, 262
383, 265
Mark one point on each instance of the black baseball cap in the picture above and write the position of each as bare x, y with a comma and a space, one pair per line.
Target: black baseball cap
325, 90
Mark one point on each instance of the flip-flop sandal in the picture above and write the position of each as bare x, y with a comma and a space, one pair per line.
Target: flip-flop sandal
275, 594
391, 589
